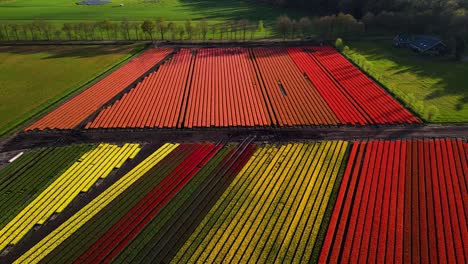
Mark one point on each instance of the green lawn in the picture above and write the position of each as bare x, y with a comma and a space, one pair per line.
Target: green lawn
173, 10
33, 78
429, 85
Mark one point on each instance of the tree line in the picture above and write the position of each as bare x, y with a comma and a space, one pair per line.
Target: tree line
160, 29
328, 27
441, 17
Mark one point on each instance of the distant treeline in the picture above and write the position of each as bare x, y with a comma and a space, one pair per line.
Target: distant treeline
159, 29
450, 23
442, 17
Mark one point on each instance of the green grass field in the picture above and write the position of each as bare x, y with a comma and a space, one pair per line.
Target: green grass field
33, 78
435, 88
172, 10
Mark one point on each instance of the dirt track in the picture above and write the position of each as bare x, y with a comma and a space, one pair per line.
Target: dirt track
58, 138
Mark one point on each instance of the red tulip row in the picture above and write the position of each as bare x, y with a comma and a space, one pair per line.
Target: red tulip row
369, 98
75, 111
225, 91
343, 105
403, 201
121, 233
155, 102
233, 87
295, 101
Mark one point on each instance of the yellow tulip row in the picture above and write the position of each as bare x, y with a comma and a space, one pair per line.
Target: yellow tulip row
60, 234
80, 177
273, 210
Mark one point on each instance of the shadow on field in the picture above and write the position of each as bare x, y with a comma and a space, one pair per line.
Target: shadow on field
452, 76
235, 10
55, 52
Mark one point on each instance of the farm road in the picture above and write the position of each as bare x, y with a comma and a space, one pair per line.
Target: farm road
60, 138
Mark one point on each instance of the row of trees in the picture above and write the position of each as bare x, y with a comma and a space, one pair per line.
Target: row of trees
327, 26
132, 30
241, 29
358, 8
441, 17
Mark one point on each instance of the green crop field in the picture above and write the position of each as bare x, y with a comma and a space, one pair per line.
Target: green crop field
173, 10
433, 87
33, 78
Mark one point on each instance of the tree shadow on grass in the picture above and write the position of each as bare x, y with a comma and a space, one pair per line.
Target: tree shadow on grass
78, 51
452, 76
236, 10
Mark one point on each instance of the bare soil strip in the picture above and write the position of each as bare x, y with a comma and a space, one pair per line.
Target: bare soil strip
61, 138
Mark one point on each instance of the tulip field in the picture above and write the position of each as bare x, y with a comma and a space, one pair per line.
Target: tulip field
254, 154
230, 87
73, 112
402, 200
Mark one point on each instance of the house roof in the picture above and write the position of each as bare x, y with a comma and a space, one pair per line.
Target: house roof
421, 42
425, 43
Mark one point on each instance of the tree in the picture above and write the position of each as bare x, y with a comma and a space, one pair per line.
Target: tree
125, 26
81, 30
196, 31
24, 30
106, 26
432, 112
203, 25
68, 29
369, 21
459, 48
214, 29
161, 26
148, 28
172, 28
114, 27
325, 25
36, 27
261, 27
32, 30
136, 28
243, 25
58, 34
223, 29
181, 32
44, 28
15, 29
339, 44
189, 28
344, 25
304, 26
233, 28
252, 30
97, 26
283, 25
92, 28
294, 28
4, 32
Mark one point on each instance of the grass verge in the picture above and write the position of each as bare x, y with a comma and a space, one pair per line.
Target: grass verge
35, 79
432, 87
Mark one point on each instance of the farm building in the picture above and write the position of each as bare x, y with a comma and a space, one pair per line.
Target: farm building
422, 44
93, 2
